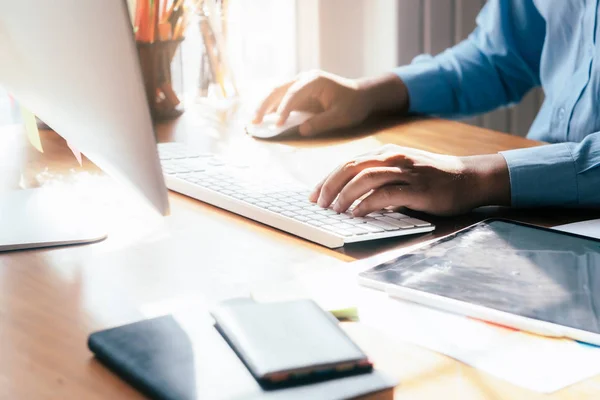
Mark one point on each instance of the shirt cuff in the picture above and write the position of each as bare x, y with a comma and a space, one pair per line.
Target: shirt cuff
542, 176
421, 79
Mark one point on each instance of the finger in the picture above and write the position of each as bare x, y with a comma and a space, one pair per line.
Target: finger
391, 195
336, 181
272, 107
265, 107
314, 195
365, 181
271, 101
295, 98
325, 121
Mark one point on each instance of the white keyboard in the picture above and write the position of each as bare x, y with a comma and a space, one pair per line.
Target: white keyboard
274, 199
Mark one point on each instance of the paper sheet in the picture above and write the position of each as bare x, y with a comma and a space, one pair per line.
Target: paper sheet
587, 228
533, 362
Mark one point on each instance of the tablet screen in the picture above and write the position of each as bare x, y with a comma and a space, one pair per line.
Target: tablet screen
532, 272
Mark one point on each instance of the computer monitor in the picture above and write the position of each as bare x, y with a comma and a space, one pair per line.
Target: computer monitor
74, 64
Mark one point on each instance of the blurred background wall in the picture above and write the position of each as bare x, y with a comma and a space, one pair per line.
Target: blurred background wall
271, 40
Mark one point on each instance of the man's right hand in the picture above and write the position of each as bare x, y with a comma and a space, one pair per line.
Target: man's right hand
337, 102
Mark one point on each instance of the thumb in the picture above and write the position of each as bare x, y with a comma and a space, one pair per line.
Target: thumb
322, 122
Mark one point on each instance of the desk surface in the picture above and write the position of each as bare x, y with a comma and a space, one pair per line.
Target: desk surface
51, 300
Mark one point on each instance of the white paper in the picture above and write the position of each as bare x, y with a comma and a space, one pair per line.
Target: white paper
533, 362
589, 228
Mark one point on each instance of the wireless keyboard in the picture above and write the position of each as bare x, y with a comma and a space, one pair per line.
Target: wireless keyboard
274, 199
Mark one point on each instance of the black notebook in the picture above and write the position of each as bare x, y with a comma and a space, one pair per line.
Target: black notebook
173, 358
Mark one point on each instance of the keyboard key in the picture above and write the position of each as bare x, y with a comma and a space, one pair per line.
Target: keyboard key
358, 230
299, 198
315, 222
288, 213
337, 230
417, 222
342, 216
304, 212
343, 225
301, 218
400, 223
275, 209
312, 207
278, 196
328, 221
396, 215
289, 207
356, 221
384, 225
326, 212
372, 228
215, 162
322, 217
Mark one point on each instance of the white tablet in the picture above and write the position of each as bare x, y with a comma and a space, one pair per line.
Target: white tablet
518, 275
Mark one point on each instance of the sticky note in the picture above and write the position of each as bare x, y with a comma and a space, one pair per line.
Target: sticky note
345, 314
76, 153
31, 128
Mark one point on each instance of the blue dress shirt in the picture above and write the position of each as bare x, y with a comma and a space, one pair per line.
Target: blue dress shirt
518, 45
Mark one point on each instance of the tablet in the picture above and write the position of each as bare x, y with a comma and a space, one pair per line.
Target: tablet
518, 275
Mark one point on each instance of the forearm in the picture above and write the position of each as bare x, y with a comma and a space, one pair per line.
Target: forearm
384, 93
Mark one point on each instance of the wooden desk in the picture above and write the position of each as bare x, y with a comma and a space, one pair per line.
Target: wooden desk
51, 300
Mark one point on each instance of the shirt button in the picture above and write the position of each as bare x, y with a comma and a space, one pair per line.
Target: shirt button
561, 114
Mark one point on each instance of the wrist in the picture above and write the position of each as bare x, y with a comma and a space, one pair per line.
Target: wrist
489, 180
384, 93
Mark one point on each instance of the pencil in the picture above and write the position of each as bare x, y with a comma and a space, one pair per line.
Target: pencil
174, 6
153, 20
141, 19
163, 9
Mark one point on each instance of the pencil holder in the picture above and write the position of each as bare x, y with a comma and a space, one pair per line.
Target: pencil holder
156, 60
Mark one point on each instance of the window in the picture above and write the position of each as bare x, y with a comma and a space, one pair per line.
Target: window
261, 44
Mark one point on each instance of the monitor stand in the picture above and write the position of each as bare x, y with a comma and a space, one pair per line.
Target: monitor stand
36, 218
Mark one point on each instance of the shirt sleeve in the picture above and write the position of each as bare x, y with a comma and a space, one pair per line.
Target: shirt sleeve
563, 174
497, 65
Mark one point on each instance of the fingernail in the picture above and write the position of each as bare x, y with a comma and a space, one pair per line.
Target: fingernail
337, 208
321, 202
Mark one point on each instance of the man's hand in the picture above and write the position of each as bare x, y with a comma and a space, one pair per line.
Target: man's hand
337, 102
399, 176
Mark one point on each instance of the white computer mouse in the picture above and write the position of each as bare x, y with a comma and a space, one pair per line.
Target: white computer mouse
268, 128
